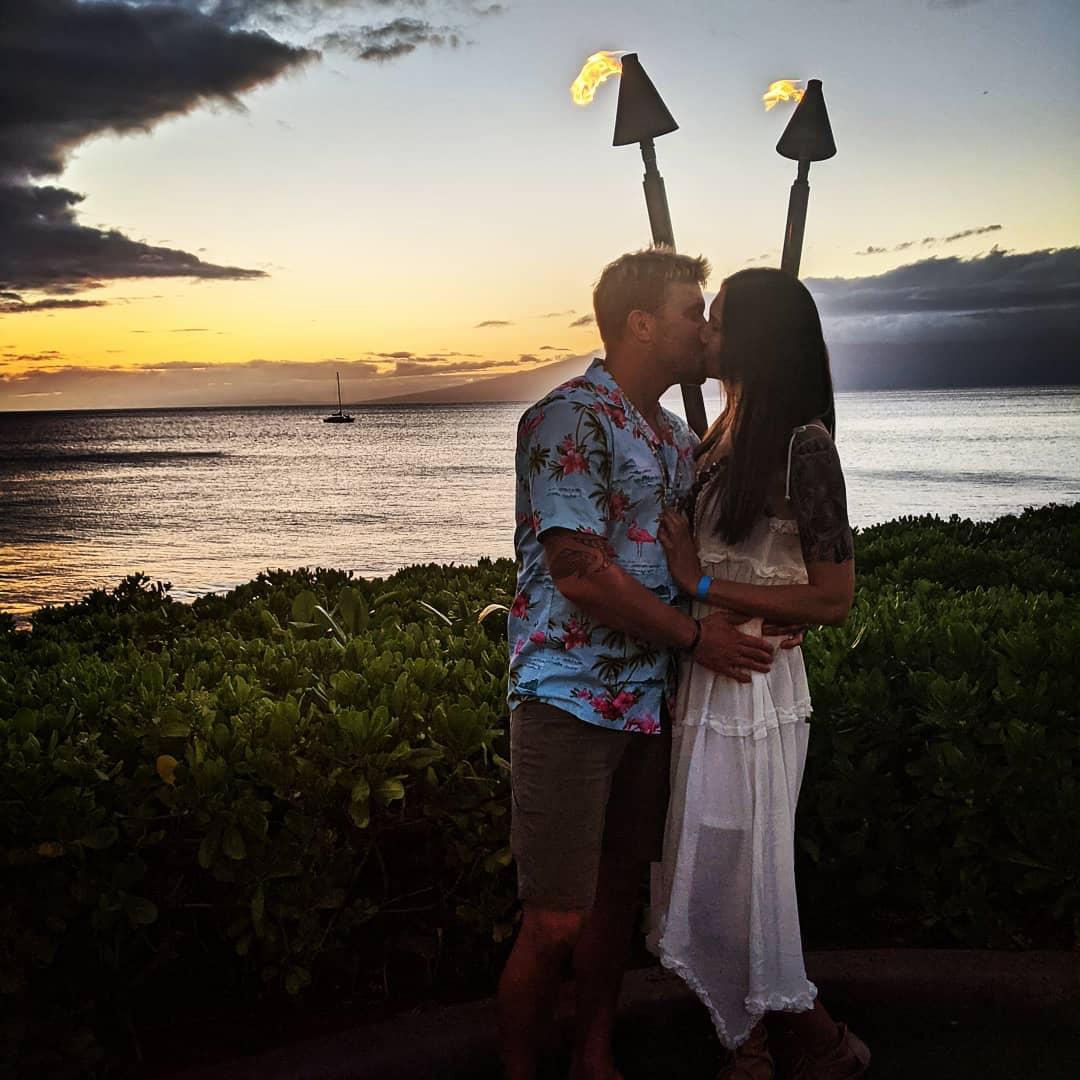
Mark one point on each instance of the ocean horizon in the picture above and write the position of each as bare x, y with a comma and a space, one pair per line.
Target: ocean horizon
207, 497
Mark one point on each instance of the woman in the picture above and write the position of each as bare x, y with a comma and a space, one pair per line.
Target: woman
773, 547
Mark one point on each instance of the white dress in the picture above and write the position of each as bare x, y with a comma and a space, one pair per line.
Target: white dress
724, 913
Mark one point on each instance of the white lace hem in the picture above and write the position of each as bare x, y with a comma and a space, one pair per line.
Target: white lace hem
758, 727
756, 1007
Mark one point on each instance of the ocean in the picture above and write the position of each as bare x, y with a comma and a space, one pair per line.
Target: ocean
206, 498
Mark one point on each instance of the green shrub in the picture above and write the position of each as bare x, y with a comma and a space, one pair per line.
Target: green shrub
299, 783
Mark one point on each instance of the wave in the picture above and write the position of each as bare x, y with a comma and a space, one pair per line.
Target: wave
110, 457
977, 479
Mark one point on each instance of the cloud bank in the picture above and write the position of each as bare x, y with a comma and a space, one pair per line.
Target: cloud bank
1002, 293
74, 69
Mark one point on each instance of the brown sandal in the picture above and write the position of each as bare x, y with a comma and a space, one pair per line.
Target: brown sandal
750, 1060
848, 1059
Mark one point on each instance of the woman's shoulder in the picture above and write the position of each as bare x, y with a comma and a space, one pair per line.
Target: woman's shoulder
814, 435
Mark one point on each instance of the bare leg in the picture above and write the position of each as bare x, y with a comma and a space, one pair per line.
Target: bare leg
599, 962
529, 984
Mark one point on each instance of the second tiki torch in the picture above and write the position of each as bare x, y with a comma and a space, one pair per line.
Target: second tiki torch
807, 138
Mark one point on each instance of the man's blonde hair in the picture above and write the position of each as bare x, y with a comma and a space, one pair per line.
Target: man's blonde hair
638, 281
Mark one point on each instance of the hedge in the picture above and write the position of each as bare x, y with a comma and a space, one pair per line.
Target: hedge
299, 787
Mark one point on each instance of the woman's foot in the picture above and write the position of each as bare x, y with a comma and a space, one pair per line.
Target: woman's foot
750, 1060
847, 1059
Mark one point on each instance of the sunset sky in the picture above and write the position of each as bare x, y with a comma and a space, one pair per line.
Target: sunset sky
225, 201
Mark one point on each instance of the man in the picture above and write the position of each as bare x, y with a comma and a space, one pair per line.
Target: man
592, 632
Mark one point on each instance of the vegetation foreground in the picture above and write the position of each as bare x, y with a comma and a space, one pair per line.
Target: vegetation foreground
299, 788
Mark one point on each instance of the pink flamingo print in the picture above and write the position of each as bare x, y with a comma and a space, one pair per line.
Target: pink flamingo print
639, 536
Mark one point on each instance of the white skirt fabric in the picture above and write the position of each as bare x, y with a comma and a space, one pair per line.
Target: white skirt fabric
724, 913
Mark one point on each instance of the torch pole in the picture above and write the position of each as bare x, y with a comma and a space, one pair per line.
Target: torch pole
656, 197
796, 220
662, 233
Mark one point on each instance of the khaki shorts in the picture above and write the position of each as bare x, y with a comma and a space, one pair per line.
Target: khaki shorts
579, 790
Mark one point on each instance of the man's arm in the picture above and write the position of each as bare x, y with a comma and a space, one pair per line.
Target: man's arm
585, 572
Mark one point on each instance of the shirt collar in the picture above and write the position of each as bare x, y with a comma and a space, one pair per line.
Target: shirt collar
598, 374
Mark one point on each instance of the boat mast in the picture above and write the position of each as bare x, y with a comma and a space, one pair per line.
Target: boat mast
338, 374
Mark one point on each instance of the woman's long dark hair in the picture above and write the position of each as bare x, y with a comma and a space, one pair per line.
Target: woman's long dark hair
776, 377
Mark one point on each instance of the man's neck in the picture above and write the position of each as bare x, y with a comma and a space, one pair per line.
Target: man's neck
639, 383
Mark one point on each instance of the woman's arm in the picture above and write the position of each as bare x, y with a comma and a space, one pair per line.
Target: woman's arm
825, 599
820, 501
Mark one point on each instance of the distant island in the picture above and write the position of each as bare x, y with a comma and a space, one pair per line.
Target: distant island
1050, 361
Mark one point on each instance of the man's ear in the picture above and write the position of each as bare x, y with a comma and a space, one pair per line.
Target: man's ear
639, 324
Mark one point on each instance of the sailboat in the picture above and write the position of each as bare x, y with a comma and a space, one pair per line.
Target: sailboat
339, 417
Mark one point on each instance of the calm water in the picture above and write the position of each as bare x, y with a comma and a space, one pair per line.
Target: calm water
206, 498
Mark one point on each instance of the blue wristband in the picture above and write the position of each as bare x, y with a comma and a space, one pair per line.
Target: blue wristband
702, 590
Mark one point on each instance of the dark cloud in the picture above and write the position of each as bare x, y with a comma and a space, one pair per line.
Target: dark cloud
1000, 280
389, 40
438, 365
962, 235
47, 357
932, 241
584, 320
984, 303
493, 322
402, 355
74, 70
552, 348
556, 314
18, 307
190, 330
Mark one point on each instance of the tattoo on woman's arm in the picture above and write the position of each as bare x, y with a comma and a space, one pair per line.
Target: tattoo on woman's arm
821, 502
582, 556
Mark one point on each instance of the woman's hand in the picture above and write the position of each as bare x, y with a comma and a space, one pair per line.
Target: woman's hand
678, 544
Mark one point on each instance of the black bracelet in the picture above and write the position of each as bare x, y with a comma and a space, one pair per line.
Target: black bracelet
694, 642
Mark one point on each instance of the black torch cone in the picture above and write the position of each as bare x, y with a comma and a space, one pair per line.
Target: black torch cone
641, 117
808, 137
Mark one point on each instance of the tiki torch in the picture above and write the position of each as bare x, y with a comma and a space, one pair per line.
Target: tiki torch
640, 117
807, 138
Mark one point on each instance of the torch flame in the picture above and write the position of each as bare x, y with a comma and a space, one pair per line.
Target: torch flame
598, 68
782, 90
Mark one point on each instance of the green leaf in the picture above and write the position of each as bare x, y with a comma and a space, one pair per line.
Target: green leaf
233, 843
102, 838
353, 609
435, 611
390, 790
360, 812
258, 906
303, 606
140, 911
498, 859
208, 848
152, 677
327, 621
175, 729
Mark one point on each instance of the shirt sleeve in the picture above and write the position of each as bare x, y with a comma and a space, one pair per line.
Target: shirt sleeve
565, 459
820, 500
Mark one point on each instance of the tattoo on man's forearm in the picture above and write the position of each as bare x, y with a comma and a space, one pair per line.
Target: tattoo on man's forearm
585, 555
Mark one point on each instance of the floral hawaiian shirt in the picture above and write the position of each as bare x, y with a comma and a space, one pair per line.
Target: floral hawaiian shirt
589, 462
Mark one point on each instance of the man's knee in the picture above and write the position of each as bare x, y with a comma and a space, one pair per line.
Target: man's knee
552, 931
